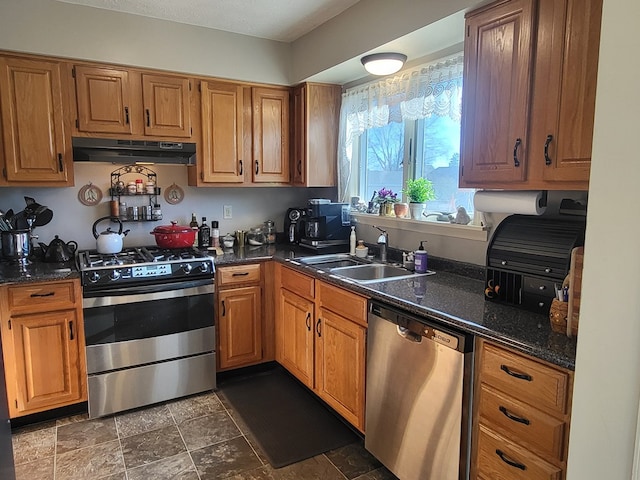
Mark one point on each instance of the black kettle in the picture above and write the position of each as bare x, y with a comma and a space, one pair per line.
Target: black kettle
58, 251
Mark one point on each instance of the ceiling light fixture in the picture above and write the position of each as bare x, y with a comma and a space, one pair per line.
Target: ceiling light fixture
383, 63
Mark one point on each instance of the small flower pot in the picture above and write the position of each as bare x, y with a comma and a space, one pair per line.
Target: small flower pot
386, 209
416, 210
401, 209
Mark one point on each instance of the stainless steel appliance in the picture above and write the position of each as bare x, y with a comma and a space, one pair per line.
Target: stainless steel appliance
122, 151
327, 225
418, 395
149, 326
294, 224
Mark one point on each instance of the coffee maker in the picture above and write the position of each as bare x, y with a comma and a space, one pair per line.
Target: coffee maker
326, 225
294, 224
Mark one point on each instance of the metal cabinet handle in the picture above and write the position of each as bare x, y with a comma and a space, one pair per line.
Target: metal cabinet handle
547, 160
49, 294
307, 321
257, 167
318, 328
60, 162
240, 274
224, 310
126, 115
240, 161
516, 162
71, 330
299, 167
148, 118
513, 417
521, 376
513, 463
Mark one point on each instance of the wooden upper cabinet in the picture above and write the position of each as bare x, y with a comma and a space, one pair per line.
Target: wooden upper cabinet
558, 56
564, 89
36, 142
104, 100
221, 157
316, 111
497, 72
167, 105
270, 162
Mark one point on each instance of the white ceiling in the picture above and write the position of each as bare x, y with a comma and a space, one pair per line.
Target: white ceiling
282, 20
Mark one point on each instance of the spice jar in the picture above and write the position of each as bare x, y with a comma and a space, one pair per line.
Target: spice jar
131, 188
270, 232
139, 186
151, 188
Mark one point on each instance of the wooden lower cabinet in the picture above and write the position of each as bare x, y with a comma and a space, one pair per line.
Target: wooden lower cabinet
43, 346
522, 413
240, 316
321, 339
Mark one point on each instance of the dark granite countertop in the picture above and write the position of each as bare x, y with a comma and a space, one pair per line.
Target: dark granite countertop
36, 271
453, 296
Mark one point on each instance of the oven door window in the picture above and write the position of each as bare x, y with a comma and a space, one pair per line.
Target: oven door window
147, 319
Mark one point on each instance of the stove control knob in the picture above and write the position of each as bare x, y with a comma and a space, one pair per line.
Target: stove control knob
204, 268
187, 268
115, 275
94, 277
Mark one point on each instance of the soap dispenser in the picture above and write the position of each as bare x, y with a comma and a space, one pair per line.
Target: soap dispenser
421, 259
352, 241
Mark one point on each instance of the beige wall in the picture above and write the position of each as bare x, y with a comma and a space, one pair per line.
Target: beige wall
607, 386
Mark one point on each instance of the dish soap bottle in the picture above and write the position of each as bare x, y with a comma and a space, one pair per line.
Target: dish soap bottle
420, 259
352, 241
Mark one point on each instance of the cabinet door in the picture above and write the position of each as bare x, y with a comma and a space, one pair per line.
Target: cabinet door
316, 109
340, 365
294, 345
565, 89
270, 135
104, 99
240, 326
46, 353
33, 122
497, 74
222, 155
167, 106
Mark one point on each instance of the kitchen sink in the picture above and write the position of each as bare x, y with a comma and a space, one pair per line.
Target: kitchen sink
357, 269
375, 272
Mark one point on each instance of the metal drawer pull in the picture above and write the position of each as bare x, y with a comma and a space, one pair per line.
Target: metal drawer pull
513, 417
307, 321
547, 160
516, 162
50, 294
241, 274
504, 458
521, 376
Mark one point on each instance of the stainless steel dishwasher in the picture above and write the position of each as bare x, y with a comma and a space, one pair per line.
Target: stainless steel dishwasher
418, 396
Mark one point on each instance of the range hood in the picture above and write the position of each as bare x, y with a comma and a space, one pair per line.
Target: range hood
128, 152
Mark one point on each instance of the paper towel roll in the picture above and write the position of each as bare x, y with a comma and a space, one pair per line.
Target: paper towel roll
523, 202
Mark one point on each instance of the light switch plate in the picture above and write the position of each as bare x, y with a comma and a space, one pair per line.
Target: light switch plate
227, 212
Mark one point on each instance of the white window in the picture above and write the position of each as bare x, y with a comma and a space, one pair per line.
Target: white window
405, 127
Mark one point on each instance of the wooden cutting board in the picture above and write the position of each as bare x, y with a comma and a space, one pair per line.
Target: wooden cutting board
575, 288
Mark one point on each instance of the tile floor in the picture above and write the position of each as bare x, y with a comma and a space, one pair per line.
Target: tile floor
197, 438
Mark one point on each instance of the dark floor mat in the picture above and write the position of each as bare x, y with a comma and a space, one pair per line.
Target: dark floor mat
286, 420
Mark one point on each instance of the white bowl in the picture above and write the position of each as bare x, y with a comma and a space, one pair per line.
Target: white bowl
362, 252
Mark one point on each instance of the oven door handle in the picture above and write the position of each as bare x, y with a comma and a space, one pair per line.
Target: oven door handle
143, 293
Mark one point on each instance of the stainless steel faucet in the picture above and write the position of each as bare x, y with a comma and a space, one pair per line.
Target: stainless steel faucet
383, 242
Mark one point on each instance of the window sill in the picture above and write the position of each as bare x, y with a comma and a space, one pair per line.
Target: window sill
468, 232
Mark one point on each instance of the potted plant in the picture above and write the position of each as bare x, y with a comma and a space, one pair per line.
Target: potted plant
418, 191
385, 198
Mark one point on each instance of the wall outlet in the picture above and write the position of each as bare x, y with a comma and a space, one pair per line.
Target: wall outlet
227, 212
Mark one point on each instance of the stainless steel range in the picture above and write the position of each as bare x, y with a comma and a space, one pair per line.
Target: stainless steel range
149, 326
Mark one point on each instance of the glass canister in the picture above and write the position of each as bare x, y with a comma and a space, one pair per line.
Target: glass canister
255, 236
270, 232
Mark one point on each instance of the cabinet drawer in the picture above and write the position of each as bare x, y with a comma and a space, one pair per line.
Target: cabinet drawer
298, 283
522, 423
238, 274
525, 379
538, 286
36, 297
498, 458
342, 302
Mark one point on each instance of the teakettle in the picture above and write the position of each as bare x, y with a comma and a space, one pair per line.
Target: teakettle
58, 251
109, 241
